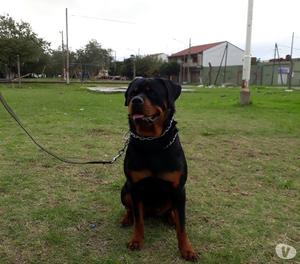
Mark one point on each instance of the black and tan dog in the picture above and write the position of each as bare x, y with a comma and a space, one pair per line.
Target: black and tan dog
155, 165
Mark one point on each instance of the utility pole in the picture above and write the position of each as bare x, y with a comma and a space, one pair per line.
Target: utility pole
181, 72
63, 54
134, 67
182, 64
67, 51
225, 66
291, 64
133, 57
188, 62
273, 66
19, 70
220, 66
209, 73
115, 66
244, 91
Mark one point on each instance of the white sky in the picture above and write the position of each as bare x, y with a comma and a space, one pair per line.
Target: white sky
162, 25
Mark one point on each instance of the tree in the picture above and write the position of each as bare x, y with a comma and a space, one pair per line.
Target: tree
127, 67
116, 68
169, 68
38, 66
147, 66
17, 38
94, 56
56, 62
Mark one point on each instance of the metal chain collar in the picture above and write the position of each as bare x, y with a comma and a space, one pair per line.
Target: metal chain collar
171, 142
151, 138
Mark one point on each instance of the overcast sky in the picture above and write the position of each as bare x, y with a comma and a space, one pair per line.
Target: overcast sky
155, 26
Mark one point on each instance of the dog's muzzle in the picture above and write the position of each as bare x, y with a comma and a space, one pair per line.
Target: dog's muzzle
137, 100
137, 104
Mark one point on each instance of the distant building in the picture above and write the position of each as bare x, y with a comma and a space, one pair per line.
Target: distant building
160, 56
192, 60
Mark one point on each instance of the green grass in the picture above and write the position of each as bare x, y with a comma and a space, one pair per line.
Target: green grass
243, 187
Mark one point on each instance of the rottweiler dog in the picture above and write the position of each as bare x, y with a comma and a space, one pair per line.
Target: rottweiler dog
155, 164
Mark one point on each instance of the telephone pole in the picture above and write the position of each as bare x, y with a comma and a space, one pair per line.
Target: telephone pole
63, 54
244, 91
19, 70
225, 66
273, 66
291, 64
188, 62
67, 50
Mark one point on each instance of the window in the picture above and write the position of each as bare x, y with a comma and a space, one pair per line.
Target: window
195, 58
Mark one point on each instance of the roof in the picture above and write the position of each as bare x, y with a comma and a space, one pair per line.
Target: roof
196, 49
157, 54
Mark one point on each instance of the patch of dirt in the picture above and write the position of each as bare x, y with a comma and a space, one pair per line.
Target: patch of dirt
98, 131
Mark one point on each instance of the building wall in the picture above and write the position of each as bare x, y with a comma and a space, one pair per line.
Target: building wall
160, 56
280, 75
214, 55
261, 74
215, 75
163, 57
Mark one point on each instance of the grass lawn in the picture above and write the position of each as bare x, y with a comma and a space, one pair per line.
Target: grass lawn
243, 187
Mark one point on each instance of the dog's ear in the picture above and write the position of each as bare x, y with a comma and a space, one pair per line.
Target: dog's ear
173, 90
126, 94
129, 88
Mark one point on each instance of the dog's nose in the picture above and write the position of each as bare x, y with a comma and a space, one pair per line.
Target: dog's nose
137, 100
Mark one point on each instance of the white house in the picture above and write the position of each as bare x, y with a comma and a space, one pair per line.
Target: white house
194, 58
160, 56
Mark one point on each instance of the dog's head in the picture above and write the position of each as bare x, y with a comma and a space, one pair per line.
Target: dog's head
151, 105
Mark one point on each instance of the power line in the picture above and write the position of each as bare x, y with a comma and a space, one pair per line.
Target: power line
288, 47
67, 47
105, 19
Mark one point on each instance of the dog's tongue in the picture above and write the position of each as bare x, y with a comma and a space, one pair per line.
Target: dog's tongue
137, 116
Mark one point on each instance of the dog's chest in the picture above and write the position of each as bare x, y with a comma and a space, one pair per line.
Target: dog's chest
153, 191
171, 177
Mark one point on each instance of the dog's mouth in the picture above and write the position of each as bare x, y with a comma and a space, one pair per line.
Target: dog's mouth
149, 119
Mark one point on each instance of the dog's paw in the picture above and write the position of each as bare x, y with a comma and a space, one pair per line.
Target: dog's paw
186, 248
135, 244
189, 254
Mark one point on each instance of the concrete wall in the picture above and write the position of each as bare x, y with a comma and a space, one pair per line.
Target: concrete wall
216, 76
280, 76
261, 74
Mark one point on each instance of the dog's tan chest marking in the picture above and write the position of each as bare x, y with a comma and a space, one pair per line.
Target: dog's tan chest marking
137, 176
172, 177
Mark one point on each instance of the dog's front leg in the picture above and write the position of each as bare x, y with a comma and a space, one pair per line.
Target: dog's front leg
184, 244
137, 238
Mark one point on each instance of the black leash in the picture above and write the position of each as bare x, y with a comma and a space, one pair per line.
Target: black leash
14, 116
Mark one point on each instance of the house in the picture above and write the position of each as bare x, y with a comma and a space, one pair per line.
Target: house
193, 59
159, 56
